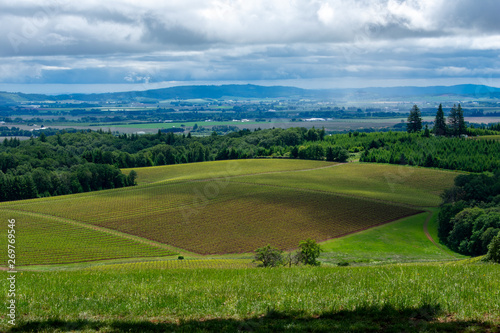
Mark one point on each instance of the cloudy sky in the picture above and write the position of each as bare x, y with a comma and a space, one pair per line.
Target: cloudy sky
306, 43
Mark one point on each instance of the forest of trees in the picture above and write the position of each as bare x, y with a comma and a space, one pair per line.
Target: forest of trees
83, 161
469, 217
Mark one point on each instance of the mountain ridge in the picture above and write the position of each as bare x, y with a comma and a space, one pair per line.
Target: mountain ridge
256, 91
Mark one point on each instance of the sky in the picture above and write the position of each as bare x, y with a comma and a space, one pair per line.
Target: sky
69, 46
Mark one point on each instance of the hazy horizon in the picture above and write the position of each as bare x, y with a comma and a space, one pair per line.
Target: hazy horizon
60, 89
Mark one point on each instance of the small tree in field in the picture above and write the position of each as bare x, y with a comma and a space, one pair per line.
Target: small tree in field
269, 256
494, 249
309, 251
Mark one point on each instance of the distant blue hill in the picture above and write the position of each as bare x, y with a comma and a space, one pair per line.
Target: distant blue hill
261, 92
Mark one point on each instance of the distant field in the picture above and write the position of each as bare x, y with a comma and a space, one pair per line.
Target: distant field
49, 241
208, 124
489, 137
218, 169
401, 184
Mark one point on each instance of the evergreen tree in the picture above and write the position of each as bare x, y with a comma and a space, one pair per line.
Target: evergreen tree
453, 120
462, 129
439, 122
414, 120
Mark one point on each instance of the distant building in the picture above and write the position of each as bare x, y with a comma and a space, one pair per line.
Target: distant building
315, 119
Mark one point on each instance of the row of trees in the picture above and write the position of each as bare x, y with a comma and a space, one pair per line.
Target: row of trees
81, 178
62, 153
439, 152
307, 254
455, 127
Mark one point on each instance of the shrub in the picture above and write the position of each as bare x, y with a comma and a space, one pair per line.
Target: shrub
269, 256
180, 257
309, 251
494, 250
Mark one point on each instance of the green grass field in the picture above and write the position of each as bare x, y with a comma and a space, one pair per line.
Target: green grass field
393, 298
401, 241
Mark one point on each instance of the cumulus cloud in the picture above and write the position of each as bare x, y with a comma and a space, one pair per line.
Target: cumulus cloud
121, 41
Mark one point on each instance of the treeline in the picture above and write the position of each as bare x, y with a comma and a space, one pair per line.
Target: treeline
81, 178
439, 152
87, 161
64, 153
469, 218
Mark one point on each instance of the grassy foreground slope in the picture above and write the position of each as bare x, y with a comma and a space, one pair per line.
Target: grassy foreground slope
399, 298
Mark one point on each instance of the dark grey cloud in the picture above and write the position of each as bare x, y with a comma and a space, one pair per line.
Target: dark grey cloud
120, 41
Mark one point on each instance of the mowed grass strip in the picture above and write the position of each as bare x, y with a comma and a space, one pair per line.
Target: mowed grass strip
217, 169
41, 241
176, 264
218, 217
395, 183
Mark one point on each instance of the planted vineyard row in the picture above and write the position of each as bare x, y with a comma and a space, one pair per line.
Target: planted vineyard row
176, 264
395, 183
46, 241
223, 217
192, 171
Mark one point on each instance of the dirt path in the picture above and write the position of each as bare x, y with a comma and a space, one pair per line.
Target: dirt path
426, 229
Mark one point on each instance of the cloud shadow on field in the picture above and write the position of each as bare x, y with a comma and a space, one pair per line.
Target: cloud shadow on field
362, 319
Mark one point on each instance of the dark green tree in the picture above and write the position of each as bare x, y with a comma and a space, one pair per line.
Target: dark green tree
427, 133
494, 250
414, 120
269, 256
132, 176
462, 128
440, 122
453, 121
309, 252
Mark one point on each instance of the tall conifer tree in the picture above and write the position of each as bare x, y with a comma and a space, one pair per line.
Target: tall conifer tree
414, 120
440, 122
